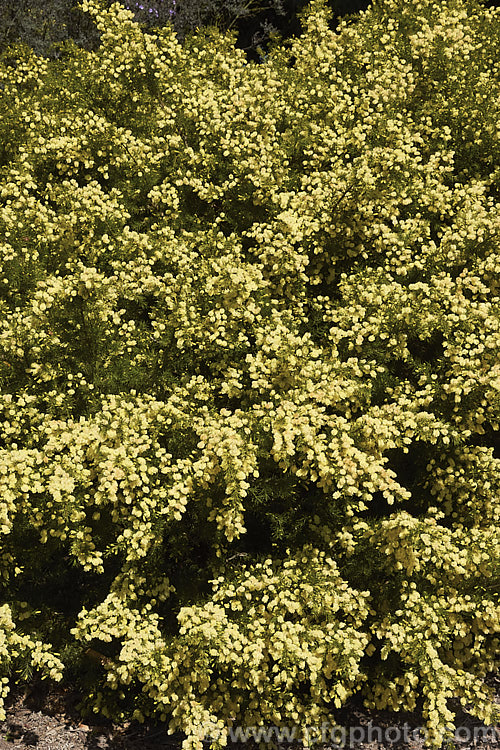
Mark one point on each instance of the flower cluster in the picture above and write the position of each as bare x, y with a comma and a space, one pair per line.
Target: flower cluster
16, 648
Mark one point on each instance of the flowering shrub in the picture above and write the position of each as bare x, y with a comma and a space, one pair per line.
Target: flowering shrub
44, 24
249, 368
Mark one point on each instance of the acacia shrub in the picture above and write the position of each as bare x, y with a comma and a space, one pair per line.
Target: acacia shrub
44, 24
249, 374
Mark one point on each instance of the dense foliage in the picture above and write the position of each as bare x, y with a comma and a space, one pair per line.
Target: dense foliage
249, 376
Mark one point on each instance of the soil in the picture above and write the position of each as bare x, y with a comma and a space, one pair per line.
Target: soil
47, 718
